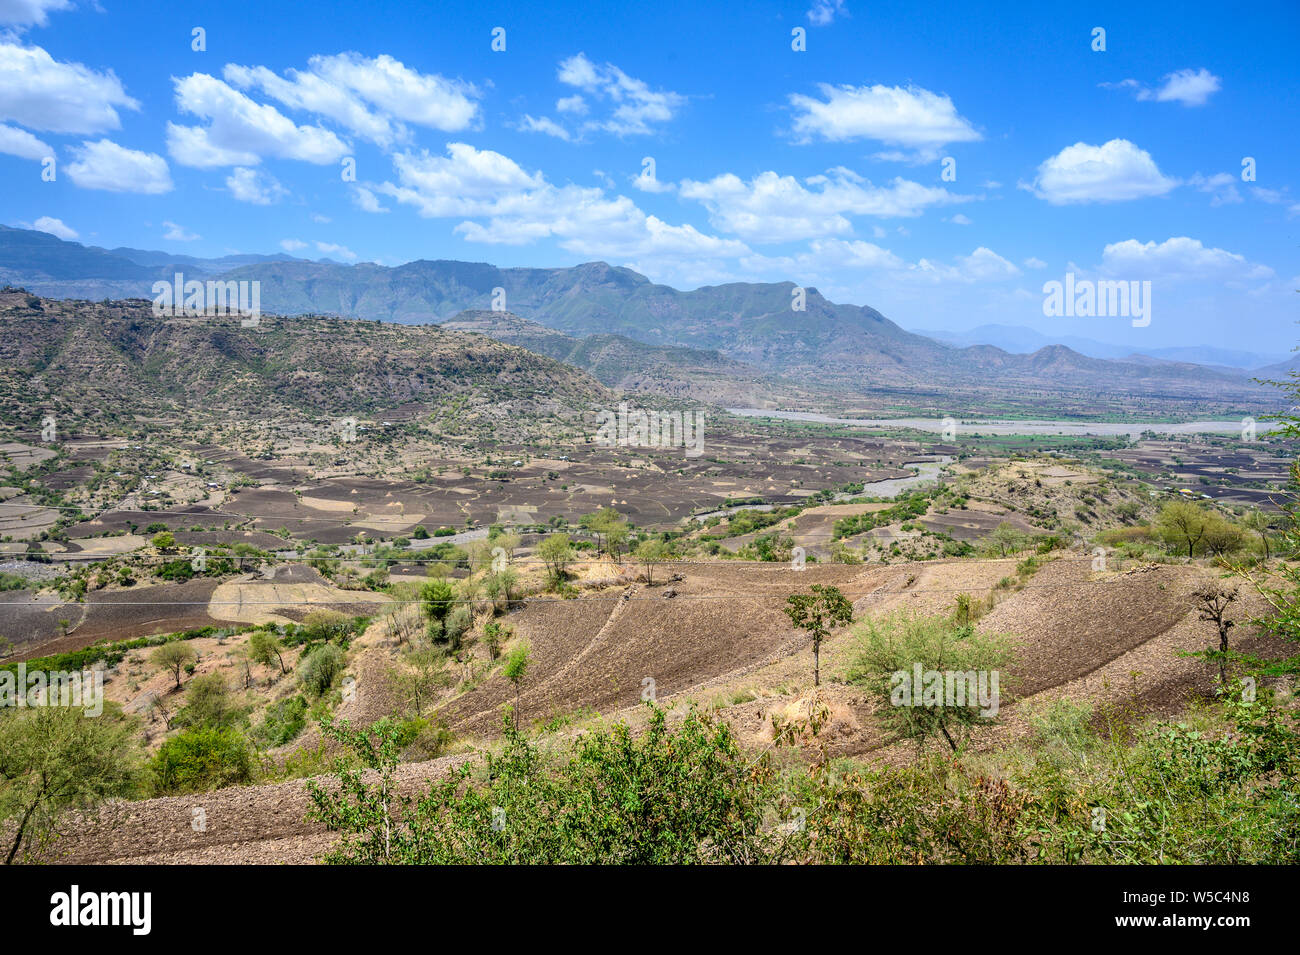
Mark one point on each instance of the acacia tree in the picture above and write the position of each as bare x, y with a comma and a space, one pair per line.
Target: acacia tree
1213, 601
54, 758
174, 655
264, 648
418, 683
516, 669
502, 584
1183, 524
892, 650
556, 552
1260, 523
609, 527
816, 612
1007, 539
649, 553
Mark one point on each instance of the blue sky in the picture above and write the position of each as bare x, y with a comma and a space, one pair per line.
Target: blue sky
823, 166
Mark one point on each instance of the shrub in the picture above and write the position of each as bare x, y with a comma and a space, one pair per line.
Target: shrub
283, 721
319, 668
202, 758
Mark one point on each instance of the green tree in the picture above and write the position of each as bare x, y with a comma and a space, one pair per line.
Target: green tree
516, 669
1222, 537
817, 611
423, 676
1261, 524
958, 665
608, 526
174, 655
650, 553
207, 702
264, 648
557, 553
436, 599
164, 541
55, 758
502, 585
1182, 524
1007, 539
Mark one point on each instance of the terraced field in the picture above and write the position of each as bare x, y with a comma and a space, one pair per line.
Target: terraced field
720, 639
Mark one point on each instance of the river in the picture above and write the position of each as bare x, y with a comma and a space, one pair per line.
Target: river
1002, 426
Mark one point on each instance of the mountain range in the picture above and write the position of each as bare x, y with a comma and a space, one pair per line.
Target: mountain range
1018, 339
703, 343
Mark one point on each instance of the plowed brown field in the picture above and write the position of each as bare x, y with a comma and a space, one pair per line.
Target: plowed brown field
722, 635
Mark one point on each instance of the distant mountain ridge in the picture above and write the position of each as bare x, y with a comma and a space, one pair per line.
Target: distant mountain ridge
1018, 339
825, 347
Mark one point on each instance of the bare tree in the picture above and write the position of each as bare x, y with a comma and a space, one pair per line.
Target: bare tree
1213, 601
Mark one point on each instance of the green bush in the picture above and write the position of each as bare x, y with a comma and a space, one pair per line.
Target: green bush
283, 721
202, 758
664, 795
319, 668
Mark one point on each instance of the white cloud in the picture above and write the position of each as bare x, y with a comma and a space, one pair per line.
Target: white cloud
647, 180
855, 254
371, 97
39, 92
366, 200
292, 245
916, 120
338, 251
544, 124
19, 142
574, 104
54, 227
241, 131
776, 208
636, 106
1189, 87
1221, 186
106, 165
1033, 262
959, 219
982, 265
520, 207
1113, 172
1276, 198
25, 13
320, 219
178, 233
1178, 257
579, 71
258, 188
823, 12
465, 182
